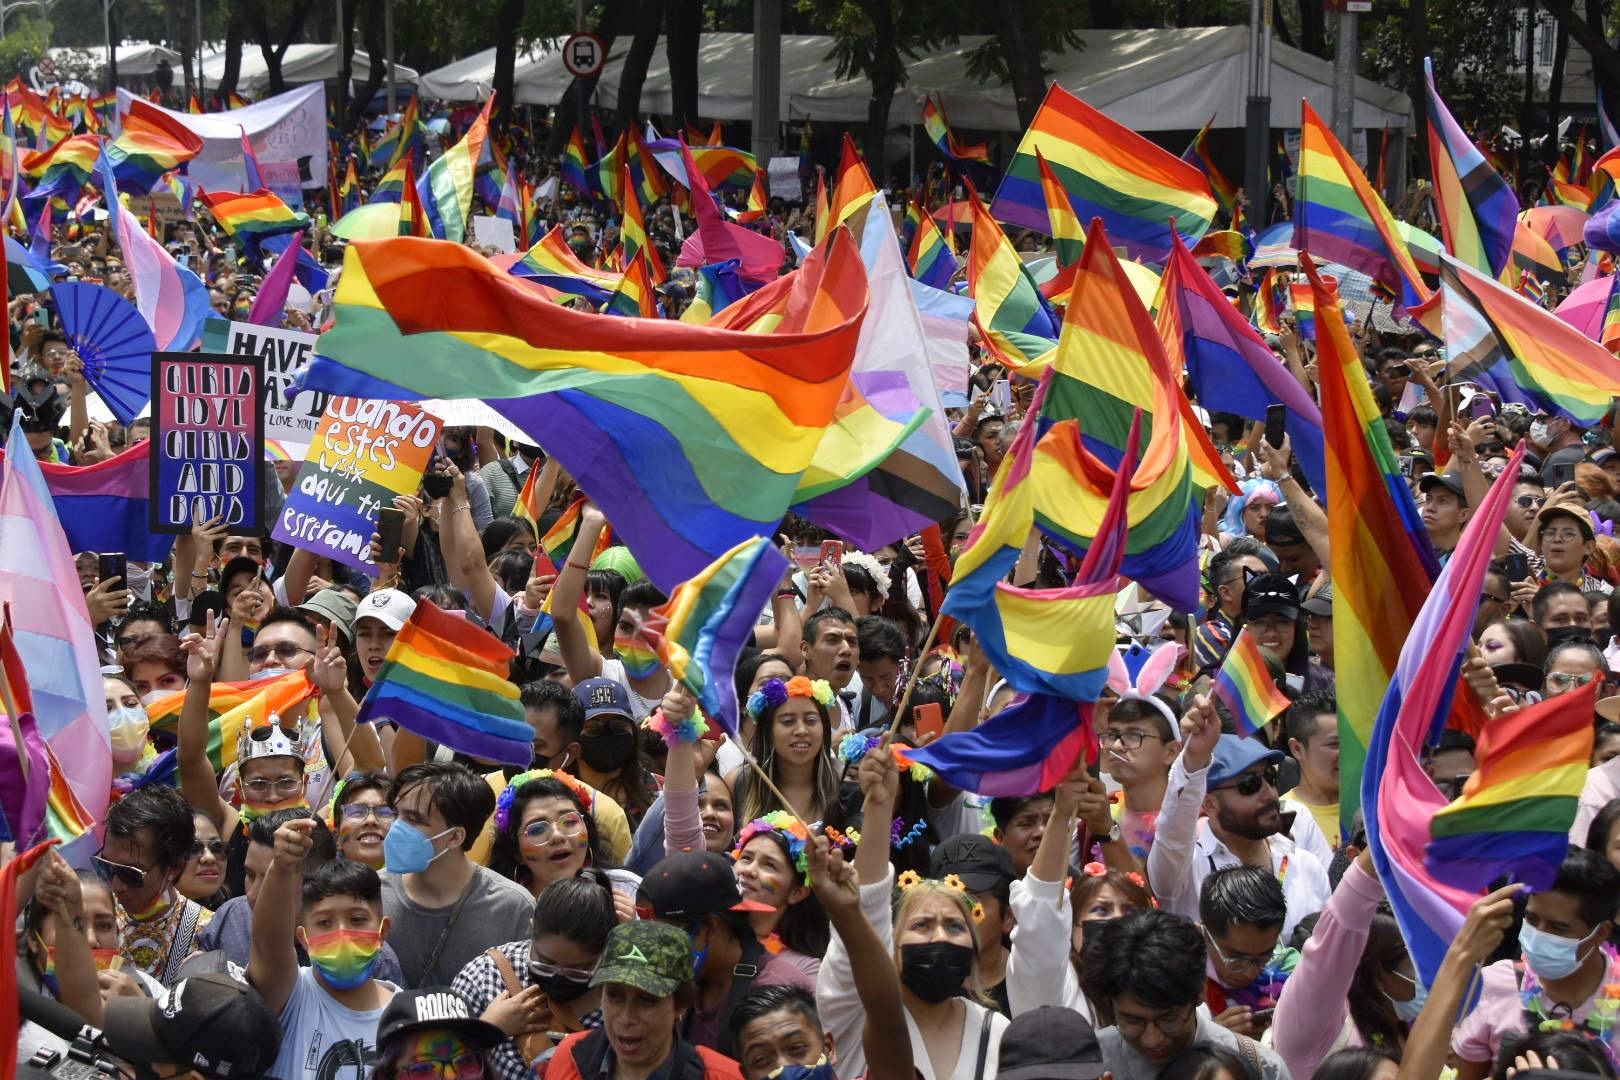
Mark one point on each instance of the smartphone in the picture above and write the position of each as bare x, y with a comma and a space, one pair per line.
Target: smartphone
929, 720
1400, 369
1517, 564
1258, 1015
112, 564
1560, 473
832, 553
1001, 395
1276, 421
390, 530
806, 556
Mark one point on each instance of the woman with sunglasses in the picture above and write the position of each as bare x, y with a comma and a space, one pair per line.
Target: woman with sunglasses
545, 832
361, 817
203, 879
532, 988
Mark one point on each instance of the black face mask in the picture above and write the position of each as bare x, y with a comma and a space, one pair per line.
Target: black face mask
934, 970
1560, 634
560, 989
608, 751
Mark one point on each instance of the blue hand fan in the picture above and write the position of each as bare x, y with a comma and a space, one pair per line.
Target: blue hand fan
114, 342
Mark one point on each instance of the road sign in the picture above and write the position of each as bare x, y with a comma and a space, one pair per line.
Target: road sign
584, 55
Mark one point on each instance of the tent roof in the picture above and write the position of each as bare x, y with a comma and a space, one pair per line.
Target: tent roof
1151, 80
305, 62
473, 78
138, 58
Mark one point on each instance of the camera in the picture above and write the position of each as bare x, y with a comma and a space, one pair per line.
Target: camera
86, 1058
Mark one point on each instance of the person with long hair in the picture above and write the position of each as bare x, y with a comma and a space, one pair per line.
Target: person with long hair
773, 868
545, 832
793, 743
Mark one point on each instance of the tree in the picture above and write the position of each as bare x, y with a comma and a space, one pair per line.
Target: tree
508, 16
615, 17
1589, 29
1019, 35
273, 46
649, 20
235, 32
683, 30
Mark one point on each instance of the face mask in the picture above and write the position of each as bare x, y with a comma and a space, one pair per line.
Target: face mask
1538, 432
139, 580
126, 727
1407, 1011
270, 673
819, 1071
1560, 634
345, 958
934, 970
639, 661
154, 695
1550, 956
407, 851
561, 990
608, 751
249, 811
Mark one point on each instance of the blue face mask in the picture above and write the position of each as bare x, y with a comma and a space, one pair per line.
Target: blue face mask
407, 851
1407, 1011
1550, 956
698, 956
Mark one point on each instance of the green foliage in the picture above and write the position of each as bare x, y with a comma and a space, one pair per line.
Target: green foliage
1058, 24
23, 44
1471, 42
917, 25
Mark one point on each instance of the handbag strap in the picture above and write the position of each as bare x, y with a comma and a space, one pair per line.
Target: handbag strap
984, 1046
531, 1044
444, 935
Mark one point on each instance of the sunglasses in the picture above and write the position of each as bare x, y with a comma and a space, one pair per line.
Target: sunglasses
132, 877
468, 1065
1528, 501
282, 650
1250, 782
541, 969
216, 848
356, 812
1563, 680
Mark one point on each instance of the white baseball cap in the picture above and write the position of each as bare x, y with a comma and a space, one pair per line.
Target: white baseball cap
390, 607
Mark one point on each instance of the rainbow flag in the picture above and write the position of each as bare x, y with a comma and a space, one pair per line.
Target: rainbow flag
1110, 172
413, 219
527, 507
1019, 326
1245, 685
575, 166
719, 285
171, 298
939, 132
854, 188
1609, 329
1520, 351
1478, 211
1302, 301
1197, 154
1338, 217
559, 539
63, 169
25, 773
194, 106
103, 507
1398, 799
720, 165
732, 418
391, 188
1228, 364
446, 680
401, 140
758, 203
1562, 192
151, 144
233, 100
931, 259
447, 186
552, 263
823, 207
701, 630
349, 191
1068, 234
251, 218
1225, 244
634, 296
633, 235
1382, 559
233, 706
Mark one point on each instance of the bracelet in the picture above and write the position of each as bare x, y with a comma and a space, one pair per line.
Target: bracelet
689, 730
577, 566
464, 506
200, 577
787, 594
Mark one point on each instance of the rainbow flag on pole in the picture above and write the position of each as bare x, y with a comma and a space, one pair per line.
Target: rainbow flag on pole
150, 145
1018, 324
253, 217
1478, 211
446, 188
854, 187
930, 257
25, 776
1197, 153
939, 133
1245, 685
552, 263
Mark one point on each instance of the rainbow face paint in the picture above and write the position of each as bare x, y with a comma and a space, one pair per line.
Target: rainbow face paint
345, 958
439, 1055
639, 661
249, 811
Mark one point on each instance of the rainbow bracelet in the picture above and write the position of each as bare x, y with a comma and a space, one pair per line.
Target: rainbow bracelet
689, 730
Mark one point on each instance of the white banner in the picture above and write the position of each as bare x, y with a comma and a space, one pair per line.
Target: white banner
290, 415
289, 128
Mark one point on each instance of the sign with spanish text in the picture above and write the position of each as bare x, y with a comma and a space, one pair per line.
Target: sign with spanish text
207, 442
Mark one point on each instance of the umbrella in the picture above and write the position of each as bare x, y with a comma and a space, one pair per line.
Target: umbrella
1560, 226
955, 212
23, 274
373, 221
1275, 247
114, 342
1583, 308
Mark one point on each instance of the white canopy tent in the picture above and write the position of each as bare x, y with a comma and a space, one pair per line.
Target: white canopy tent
473, 78
134, 59
304, 63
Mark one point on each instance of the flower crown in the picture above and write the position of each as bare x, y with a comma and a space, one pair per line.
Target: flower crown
789, 828
853, 748
775, 692
1098, 870
951, 883
508, 796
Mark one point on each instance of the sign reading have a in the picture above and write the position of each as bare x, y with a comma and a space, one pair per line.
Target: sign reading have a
364, 453
290, 415
207, 441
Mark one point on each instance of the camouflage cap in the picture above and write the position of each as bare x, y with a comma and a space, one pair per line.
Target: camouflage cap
651, 956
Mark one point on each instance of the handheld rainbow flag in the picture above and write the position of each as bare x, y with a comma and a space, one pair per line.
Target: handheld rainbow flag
233, 706
719, 285
1018, 324
576, 167
758, 202
634, 297
528, 507
1245, 685
391, 187
446, 680
701, 630
408, 136
1110, 172
64, 167
853, 190
552, 263
939, 133
252, 218
1478, 211
931, 259
1197, 153
1068, 234
150, 145
447, 186
349, 191
559, 539
633, 235
1302, 300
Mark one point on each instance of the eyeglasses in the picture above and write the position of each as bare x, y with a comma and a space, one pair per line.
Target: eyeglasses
356, 812
132, 877
282, 650
1130, 740
1171, 1024
1560, 535
1563, 680
467, 1065
569, 824
261, 786
216, 848
542, 969
1249, 783
1237, 962
1528, 501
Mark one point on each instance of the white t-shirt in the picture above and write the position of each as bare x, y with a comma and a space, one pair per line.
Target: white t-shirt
322, 1039
642, 707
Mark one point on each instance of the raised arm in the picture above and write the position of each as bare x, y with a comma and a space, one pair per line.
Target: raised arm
582, 661
273, 958
463, 550
197, 781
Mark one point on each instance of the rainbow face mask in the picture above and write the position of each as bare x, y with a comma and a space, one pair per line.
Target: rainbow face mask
345, 958
639, 661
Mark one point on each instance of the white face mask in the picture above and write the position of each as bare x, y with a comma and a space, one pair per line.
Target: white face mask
126, 729
1539, 433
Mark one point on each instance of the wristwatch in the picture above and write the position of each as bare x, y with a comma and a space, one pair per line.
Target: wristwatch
1114, 835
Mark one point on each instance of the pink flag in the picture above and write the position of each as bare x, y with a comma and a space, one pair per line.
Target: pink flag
718, 239
271, 302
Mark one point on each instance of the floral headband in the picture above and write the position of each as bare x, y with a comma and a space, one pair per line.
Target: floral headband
508, 796
1097, 870
775, 692
792, 832
911, 879
855, 747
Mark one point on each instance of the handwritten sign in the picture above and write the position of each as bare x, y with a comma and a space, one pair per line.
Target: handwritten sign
207, 441
364, 453
290, 414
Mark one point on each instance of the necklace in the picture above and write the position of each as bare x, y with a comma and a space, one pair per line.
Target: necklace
1600, 1022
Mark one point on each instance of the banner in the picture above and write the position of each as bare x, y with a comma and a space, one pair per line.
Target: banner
207, 442
288, 127
364, 453
290, 414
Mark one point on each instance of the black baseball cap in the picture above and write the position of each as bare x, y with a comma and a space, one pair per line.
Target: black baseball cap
414, 1010
1451, 481
214, 1024
1268, 594
1050, 1043
1281, 527
979, 861
692, 885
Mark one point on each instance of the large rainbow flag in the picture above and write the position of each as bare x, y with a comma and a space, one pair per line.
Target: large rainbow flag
151, 144
552, 263
1110, 172
690, 439
233, 706
1478, 211
446, 680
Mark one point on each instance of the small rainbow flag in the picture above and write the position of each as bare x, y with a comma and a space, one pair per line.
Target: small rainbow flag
634, 297
1302, 298
559, 539
1197, 153
446, 680
349, 191
391, 187
527, 507
939, 132
854, 188
1246, 686
1018, 324
63, 169
758, 202
231, 706
931, 259
633, 235
552, 263
576, 167
251, 218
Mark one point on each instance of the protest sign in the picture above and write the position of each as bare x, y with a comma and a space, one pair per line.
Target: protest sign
783, 175
364, 453
491, 231
207, 441
290, 415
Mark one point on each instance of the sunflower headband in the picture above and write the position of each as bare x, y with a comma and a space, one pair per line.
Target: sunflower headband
789, 828
508, 796
775, 692
911, 879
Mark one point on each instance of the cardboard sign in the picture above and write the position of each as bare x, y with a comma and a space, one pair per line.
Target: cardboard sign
364, 453
495, 232
290, 415
782, 177
207, 441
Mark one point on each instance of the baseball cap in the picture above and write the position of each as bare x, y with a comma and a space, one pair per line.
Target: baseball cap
1050, 1043
413, 1010
1235, 755
1579, 517
980, 862
390, 607
1270, 594
1602, 454
212, 1023
1281, 527
1451, 481
1321, 602
336, 606
692, 885
603, 697
651, 956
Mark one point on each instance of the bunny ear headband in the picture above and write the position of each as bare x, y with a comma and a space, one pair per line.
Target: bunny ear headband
1136, 673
